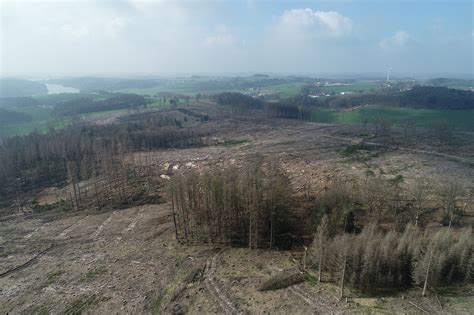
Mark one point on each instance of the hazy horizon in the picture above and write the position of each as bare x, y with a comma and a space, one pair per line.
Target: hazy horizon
163, 38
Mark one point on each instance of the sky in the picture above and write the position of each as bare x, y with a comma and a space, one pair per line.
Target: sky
164, 37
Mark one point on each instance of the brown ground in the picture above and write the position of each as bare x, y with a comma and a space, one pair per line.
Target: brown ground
127, 261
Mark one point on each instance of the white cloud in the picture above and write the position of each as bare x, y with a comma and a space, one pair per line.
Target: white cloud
115, 25
321, 22
222, 37
76, 37
74, 31
397, 40
303, 38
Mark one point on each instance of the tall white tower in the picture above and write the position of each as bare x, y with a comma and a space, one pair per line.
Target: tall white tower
388, 72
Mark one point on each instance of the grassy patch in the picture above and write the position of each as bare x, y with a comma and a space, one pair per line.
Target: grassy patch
93, 274
361, 86
52, 277
359, 152
310, 280
157, 304
286, 89
41, 121
234, 142
79, 305
457, 119
60, 205
356, 148
37, 310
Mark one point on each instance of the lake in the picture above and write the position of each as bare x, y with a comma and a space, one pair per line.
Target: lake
58, 88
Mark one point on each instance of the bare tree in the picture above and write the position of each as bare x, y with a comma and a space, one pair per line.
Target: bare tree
419, 194
322, 234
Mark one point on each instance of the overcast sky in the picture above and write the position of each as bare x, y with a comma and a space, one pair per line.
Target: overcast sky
133, 37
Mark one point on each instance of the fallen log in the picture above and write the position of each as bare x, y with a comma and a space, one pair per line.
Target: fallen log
282, 280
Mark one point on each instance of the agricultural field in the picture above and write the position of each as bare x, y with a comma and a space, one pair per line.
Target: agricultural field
286, 89
181, 89
41, 119
361, 86
284, 86
43, 112
455, 119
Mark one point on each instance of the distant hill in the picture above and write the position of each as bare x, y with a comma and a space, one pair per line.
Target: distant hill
437, 98
87, 84
451, 83
9, 102
10, 87
88, 105
428, 97
10, 117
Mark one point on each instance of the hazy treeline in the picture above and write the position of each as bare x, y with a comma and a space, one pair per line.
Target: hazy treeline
449, 82
299, 107
12, 87
9, 116
90, 84
201, 83
238, 99
7, 102
249, 207
417, 97
199, 116
89, 105
41, 160
240, 83
282, 110
241, 104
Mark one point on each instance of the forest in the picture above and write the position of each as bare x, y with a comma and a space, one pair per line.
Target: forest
72, 154
13, 87
9, 116
89, 105
251, 207
417, 97
256, 208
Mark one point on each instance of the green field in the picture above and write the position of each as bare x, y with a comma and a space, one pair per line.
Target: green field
458, 119
286, 89
184, 90
43, 119
192, 88
356, 87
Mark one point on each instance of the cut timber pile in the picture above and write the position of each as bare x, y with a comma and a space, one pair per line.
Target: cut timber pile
282, 280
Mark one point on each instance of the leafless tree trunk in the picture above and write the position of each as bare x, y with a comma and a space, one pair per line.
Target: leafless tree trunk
343, 274
427, 274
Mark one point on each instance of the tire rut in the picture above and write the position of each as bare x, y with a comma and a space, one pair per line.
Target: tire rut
215, 289
316, 302
101, 227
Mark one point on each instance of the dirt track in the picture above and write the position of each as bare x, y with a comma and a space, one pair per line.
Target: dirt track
124, 261
111, 257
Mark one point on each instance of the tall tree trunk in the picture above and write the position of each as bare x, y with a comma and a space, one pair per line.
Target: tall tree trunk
250, 230
427, 274
320, 267
174, 214
304, 257
343, 277
271, 230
